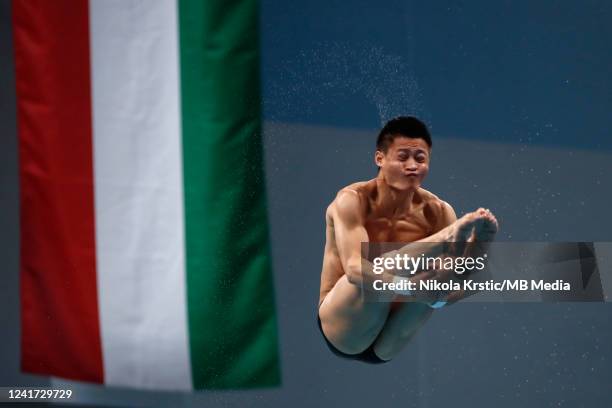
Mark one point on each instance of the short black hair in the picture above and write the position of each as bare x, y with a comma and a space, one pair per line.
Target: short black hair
402, 126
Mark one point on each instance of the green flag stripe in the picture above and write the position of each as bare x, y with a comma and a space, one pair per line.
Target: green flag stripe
230, 296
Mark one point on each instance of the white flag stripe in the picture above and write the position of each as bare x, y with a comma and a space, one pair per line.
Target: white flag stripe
138, 193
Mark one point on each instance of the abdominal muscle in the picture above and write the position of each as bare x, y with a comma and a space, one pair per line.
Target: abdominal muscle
379, 230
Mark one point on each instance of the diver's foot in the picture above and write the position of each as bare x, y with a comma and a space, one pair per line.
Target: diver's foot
462, 229
474, 226
485, 227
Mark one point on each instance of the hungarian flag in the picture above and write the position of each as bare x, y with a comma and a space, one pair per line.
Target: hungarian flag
145, 258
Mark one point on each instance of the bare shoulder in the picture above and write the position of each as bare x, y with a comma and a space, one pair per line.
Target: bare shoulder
438, 208
430, 198
350, 201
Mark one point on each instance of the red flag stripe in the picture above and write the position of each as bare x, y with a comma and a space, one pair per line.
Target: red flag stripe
60, 323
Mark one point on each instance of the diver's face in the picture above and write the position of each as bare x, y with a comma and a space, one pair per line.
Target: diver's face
405, 164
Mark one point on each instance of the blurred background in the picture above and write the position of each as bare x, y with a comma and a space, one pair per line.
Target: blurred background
518, 99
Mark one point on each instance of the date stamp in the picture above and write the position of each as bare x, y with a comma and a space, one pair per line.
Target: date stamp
33, 394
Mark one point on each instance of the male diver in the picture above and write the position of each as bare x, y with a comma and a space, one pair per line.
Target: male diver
389, 208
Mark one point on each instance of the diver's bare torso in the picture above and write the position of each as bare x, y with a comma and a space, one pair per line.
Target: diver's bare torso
424, 216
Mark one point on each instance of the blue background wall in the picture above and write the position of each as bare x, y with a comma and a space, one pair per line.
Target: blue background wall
517, 71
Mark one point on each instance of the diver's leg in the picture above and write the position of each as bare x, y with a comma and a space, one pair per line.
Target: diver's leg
351, 324
406, 318
348, 322
401, 325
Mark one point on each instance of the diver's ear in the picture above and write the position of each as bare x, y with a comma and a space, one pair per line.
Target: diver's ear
379, 158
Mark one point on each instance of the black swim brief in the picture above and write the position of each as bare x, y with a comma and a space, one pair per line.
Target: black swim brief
367, 356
